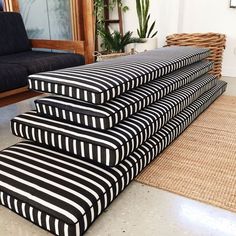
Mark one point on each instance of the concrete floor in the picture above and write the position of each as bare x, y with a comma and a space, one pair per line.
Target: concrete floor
139, 210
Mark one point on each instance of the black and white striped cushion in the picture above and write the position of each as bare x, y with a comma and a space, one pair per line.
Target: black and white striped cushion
107, 115
113, 145
63, 194
100, 82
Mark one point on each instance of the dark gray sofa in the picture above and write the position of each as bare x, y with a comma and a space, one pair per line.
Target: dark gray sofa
17, 60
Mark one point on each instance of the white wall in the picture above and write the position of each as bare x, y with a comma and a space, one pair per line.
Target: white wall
165, 12
213, 16
177, 16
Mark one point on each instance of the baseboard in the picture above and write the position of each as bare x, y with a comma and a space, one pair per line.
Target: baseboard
229, 71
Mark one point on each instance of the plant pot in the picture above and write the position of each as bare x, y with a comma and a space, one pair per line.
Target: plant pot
105, 57
150, 44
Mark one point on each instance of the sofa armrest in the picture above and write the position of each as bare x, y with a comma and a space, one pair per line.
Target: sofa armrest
66, 45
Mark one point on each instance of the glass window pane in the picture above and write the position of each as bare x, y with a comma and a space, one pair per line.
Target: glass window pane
47, 19
1, 5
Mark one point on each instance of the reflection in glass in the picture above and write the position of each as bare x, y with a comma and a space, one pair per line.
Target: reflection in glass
47, 19
1, 5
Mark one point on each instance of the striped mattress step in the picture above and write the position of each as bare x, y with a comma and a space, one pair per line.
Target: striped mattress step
63, 194
100, 82
108, 115
113, 145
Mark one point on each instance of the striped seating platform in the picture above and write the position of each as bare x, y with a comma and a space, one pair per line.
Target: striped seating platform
83, 148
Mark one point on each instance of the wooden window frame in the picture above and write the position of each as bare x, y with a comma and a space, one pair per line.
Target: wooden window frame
82, 29
83, 32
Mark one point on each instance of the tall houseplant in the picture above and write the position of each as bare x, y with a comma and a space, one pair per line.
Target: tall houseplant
145, 31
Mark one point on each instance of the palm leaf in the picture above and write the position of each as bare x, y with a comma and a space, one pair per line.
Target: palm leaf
139, 13
154, 34
151, 28
146, 26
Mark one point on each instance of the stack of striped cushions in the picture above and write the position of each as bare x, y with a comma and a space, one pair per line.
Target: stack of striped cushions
106, 122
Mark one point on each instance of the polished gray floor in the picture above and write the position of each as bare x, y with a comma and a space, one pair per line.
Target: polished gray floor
139, 210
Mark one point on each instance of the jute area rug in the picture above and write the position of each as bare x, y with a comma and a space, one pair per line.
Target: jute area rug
201, 163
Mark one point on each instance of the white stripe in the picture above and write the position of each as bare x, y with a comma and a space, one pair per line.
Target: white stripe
91, 151
56, 88
57, 226
39, 218
49, 87
53, 139
108, 157
67, 144
86, 120
31, 214
59, 141
39, 136
99, 159
94, 122
77, 229
30, 83
48, 222
71, 116
16, 206
70, 91
22, 205
82, 149
9, 201
2, 199
74, 147
66, 230
57, 112
45, 136
63, 114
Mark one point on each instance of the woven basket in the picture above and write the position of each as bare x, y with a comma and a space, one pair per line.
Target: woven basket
105, 57
215, 42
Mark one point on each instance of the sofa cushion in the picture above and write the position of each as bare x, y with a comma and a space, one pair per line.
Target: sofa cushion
100, 82
113, 145
12, 77
107, 115
65, 195
13, 34
38, 61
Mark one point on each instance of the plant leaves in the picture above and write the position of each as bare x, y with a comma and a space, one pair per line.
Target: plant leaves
139, 34
146, 27
151, 29
142, 7
115, 42
154, 34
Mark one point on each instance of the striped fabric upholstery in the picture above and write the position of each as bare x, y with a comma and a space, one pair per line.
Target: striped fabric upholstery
63, 194
113, 145
107, 115
100, 82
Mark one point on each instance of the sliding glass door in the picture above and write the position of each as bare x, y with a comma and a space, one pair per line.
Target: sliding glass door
1, 5
47, 19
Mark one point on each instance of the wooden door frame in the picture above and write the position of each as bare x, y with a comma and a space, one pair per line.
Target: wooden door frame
11, 5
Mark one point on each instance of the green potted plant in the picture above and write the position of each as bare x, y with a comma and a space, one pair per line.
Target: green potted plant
99, 6
114, 43
146, 31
